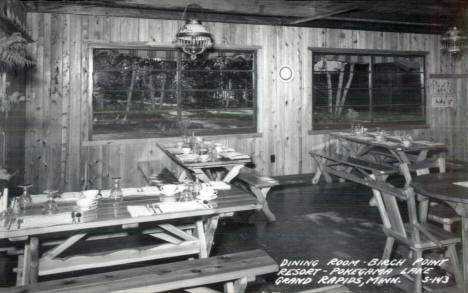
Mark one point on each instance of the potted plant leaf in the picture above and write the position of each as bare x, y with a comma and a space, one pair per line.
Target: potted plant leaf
13, 58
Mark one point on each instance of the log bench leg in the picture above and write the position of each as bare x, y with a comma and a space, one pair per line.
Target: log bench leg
321, 170
28, 264
261, 195
237, 286
200, 232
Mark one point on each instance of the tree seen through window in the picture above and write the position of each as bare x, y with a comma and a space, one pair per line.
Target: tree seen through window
140, 93
371, 89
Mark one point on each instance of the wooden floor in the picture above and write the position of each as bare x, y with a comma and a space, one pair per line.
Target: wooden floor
314, 223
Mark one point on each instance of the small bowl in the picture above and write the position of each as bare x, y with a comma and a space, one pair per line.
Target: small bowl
406, 143
86, 204
186, 150
90, 194
204, 158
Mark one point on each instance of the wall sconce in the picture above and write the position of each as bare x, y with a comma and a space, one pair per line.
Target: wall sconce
453, 41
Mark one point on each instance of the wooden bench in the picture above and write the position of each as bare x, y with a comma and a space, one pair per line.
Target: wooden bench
457, 165
149, 170
443, 214
260, 186
234, 270
349, 162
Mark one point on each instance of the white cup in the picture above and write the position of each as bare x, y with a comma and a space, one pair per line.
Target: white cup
90, 194
406, 143
186, 150
207, 193
171, 189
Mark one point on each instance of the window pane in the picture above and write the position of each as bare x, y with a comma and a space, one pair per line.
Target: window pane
343, 91
218, 99
139, 92
217, 119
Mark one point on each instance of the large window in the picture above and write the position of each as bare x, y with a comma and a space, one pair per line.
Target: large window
162, 92
378, 88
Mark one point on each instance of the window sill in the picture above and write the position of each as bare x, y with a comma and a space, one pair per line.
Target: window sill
101, 140
371, 128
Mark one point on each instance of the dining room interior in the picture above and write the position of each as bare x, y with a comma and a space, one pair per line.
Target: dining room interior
265, 146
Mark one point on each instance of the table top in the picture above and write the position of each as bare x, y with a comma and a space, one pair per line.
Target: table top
440, 186
106, 215
220, 162
390, 142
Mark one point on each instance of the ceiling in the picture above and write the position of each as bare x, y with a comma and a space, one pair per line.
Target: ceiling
418, 16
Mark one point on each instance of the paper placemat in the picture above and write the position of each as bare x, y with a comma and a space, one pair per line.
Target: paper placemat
172, 207
36, 221
234, 155
140, 191
64, 197
388, 143
426, 142
139, 211
462, 183
188, 157
220, 185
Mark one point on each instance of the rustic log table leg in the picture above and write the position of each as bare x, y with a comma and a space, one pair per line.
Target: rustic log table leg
232, 173
462, 210
182, 176
28, 263
198, 172
210, 229
200, 231
464, 216
321, 170
261, 195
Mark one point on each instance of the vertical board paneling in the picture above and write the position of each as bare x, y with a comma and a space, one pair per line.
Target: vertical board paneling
55, 105
58, 92
65, 133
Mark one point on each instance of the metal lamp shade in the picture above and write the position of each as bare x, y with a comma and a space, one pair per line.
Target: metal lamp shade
193, 38
453, 41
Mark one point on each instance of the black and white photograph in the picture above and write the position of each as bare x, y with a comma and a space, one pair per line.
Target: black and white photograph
235, 146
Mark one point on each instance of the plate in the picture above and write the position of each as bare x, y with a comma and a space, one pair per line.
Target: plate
214, 196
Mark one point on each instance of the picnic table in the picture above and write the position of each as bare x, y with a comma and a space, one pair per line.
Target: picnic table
390, 146
176, 232
202, 169
451, 188
341, 165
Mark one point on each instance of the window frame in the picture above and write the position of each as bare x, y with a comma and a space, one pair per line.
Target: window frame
96, 45
372, 53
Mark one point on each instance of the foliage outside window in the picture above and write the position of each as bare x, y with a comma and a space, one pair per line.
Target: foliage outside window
367, 87
162, 92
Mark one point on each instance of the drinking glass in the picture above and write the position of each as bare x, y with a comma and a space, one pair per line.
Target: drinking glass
116, 193
25, 201
51, 206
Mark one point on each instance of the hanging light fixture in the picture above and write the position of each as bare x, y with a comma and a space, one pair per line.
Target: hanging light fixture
193, 38
453, 41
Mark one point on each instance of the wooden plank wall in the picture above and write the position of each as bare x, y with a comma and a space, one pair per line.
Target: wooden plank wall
57, 150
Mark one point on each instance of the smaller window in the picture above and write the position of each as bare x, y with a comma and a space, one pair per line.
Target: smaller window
368, 87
